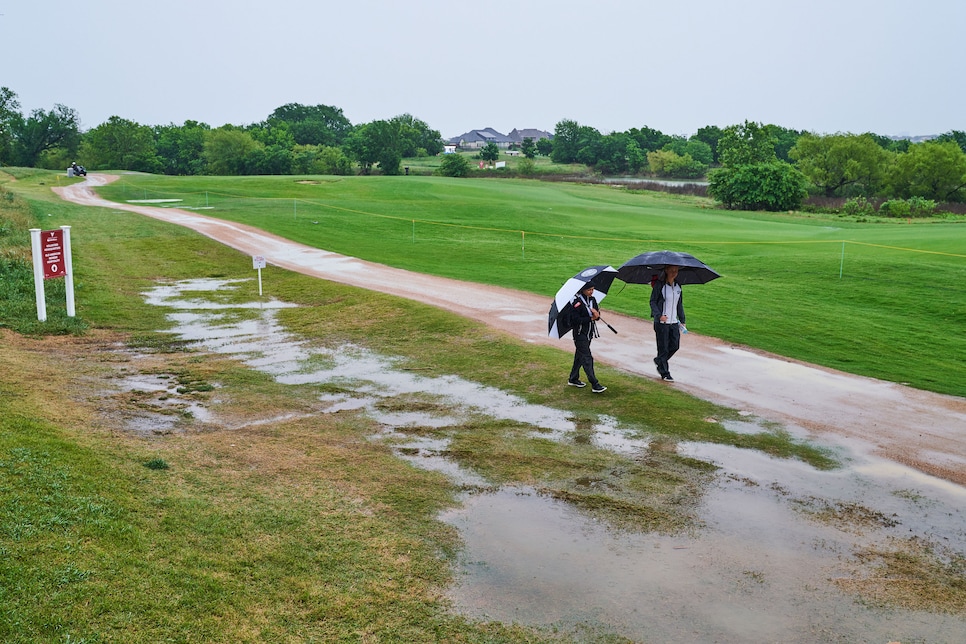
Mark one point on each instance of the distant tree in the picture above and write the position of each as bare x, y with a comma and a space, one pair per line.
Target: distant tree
746, 144
773, 186
648, 139
453, 165
931, 170
698, 150
268, 159
835, 162
180, 148
890, 144
9, 113
226, 150
528, 147
490, 152
545, 147
272, 134
710, 134
120, 144
958, 136
43, 131
784, 139
588, 145
566, 142
313, 124
324, 159
378, 142
416, 138
668, 163
618, 153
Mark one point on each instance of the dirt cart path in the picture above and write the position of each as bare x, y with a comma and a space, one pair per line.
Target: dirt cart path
922, 430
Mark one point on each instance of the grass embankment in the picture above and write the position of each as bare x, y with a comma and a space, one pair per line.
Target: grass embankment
884, 299
300, 529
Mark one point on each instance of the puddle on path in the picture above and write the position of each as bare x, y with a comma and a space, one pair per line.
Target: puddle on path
762, 569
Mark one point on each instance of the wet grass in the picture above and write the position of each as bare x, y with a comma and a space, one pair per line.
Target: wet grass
815, 288
302, 528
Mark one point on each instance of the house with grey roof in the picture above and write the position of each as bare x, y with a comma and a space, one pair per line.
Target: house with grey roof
476, 139
528, 133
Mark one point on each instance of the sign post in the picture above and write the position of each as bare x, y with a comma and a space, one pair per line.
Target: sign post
258, 263
51, 259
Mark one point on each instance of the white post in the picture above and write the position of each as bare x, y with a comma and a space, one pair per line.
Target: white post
69, 274
38, 274
258, 263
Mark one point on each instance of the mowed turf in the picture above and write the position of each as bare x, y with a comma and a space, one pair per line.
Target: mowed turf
882, 299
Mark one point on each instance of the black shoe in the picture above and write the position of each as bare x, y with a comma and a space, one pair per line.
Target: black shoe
576, 383
598, 388
667, 377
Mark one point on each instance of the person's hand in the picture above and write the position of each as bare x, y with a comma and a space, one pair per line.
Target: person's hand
595, 314
663, 318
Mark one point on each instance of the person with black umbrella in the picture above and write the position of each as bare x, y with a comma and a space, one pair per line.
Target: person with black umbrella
585, 314
667, 309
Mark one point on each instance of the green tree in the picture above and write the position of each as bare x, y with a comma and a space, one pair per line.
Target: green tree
784, 139
226, 150
668, 163
746, 144
710, 135
931, 170
43, 131
324, 159
416, 138
566, 142
180, 148
959, 136
648, 139
545, 147
618, 153
312, 124
773, 186
528, 147
490, 152
835, 162
889, 144
120, 144
378, 142
9, 113
453, 165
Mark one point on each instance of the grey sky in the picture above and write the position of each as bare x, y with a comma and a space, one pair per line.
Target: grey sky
893, 67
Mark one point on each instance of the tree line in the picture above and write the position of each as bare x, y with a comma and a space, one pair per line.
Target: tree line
748, 165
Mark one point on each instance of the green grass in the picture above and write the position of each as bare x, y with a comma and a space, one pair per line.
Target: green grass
297, 530
886, 300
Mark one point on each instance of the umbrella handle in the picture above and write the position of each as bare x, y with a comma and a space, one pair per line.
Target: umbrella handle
607, 325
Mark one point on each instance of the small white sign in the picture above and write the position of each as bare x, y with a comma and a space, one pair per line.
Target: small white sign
258, 261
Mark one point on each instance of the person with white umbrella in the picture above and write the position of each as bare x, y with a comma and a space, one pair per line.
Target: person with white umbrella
585, 314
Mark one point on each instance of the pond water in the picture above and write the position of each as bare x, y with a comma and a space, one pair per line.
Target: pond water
760, 567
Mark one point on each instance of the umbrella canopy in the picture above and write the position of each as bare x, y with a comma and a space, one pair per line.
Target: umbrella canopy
600, 276
646, 267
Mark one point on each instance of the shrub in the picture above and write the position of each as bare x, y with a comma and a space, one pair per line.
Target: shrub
895, 208
773, 186
858, 206
453, 165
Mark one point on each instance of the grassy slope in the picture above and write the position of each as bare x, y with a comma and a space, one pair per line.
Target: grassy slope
782, 290
296, 530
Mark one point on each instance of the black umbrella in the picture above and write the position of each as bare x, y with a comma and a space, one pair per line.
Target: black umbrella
647, 267
600, 276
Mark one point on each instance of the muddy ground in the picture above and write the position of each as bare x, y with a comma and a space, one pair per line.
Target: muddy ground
919, 429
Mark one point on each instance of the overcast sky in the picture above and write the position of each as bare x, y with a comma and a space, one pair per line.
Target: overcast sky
892, 67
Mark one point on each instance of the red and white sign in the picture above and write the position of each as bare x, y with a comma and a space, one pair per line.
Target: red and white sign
52, 250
